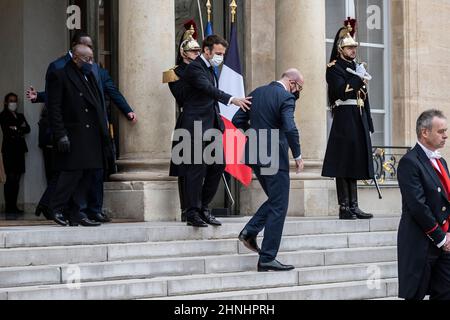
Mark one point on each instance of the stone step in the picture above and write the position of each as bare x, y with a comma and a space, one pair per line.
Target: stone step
47, 236
200, 284
232, 246
132, 269
17, 257
355, 290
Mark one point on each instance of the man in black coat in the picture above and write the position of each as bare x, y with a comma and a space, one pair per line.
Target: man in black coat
423, 238
79, 125
189, 50
349, 152
272, 113
107, 87
201, 107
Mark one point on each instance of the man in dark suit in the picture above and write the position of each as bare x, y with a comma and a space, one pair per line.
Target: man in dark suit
106, 85
201, 107
272, 111
80, 129
423, 238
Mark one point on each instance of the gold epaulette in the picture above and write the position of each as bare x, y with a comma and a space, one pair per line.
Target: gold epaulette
170, 75
331, 64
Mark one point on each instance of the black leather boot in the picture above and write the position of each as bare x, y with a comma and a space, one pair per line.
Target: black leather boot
354, 202
344, 200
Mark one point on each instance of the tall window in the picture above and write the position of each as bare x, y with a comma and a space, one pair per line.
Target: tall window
373, 36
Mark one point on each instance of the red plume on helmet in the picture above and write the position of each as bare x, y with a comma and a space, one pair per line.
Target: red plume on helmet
188, 24
353, 24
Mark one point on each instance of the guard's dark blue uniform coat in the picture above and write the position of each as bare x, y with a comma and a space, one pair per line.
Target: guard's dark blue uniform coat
349, 151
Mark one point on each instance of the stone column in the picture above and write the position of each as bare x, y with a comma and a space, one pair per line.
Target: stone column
146, 49
300, 42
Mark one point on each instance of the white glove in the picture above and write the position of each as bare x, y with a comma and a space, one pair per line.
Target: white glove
360, 72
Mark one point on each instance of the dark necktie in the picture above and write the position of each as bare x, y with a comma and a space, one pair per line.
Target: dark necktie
213, 74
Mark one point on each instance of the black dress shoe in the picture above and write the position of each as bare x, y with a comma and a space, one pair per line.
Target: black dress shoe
249, 241
59, 218
360, 214
43, 210
194, 220
85, 222
274, 266
206, 216
100, 217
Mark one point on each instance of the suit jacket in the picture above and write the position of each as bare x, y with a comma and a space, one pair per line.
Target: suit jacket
425, 209
272, 108
107, 86
202, 98
76, 110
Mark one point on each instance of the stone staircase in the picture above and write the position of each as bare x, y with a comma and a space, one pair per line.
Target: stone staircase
334, 260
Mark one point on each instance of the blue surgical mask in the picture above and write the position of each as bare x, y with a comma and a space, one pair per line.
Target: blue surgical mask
86, 68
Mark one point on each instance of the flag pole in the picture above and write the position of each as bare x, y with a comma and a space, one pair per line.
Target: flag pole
233, 7
201, 18
208, 7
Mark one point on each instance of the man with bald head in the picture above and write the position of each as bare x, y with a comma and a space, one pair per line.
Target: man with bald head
79, 125
271, 119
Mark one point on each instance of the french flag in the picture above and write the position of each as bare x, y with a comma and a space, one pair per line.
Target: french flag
232, 82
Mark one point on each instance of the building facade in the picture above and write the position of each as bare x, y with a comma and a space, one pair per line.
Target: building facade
405, 43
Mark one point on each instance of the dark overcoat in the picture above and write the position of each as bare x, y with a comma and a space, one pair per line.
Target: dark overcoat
76, 110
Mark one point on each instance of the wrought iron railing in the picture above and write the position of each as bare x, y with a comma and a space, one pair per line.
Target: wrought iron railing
385, 161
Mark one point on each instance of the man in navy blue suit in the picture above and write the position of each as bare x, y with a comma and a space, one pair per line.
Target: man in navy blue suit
272, 111
106, 86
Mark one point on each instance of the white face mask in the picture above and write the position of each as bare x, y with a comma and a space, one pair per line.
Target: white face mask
216, 61
12, 106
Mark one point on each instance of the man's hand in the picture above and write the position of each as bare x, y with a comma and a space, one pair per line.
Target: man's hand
300, 165
243, 103
446, 246
63, 145
132, 117
31, 94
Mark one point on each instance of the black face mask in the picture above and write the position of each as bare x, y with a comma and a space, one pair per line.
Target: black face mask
296, 95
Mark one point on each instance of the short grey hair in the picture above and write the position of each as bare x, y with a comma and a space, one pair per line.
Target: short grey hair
425, 120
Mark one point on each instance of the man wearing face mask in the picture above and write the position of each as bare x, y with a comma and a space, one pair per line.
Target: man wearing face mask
14, 127
107, 87
189, 50
79, 125
349, 153
201, 106
273, 108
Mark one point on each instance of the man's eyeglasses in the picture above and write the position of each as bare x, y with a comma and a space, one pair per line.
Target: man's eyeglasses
86, 59
298, 85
